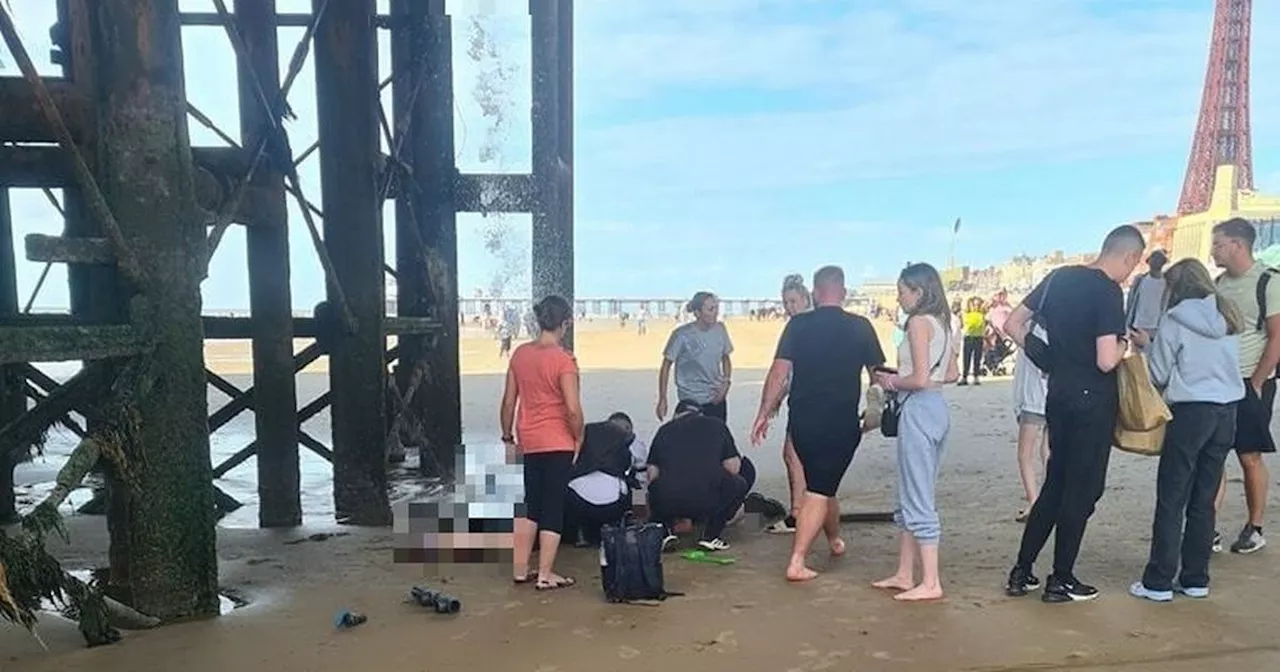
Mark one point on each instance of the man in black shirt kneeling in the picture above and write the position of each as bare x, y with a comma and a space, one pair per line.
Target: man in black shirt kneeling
695, 471
1082, 310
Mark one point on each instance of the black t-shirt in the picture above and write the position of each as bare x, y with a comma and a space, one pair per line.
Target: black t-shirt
828, 349
688, 452
1081, 305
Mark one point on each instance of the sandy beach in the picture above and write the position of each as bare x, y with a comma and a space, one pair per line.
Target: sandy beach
738, 617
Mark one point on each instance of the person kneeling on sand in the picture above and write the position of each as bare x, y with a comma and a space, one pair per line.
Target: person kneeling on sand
610, 465
696, 472
1195, 359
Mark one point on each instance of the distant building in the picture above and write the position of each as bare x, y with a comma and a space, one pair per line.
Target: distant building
1192, 235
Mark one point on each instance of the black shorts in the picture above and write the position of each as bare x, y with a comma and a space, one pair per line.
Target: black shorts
824, 455
546, 477
1253, 419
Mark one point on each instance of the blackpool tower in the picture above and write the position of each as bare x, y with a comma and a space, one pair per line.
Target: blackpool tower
1222, 132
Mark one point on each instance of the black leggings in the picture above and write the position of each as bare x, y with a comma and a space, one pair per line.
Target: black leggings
583, 520
973, 356
1080, 425
546, 477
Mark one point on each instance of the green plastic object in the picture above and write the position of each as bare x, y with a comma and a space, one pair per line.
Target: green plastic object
696, 555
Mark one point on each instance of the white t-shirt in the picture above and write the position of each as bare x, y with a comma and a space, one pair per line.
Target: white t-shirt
601, 489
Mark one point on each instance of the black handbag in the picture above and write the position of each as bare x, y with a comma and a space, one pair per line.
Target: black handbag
890, 415
1038, 351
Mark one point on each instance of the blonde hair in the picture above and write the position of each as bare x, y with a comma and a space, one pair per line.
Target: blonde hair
795, 283
1189, 279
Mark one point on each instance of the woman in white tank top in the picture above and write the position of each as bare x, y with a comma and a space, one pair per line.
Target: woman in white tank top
926, 361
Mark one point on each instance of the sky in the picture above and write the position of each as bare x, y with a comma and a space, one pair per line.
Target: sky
714, 136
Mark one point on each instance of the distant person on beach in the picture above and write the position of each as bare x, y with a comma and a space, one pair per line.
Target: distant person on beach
542, 401
1146, 298
926, 361
998, 314
1244, 281
795, 300
699, 351
824, 353
696, 472
642, 321
1195, 360
1082, 310
975, 333
610, 465
505, 332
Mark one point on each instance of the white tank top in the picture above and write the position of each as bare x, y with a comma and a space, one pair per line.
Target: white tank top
941, 350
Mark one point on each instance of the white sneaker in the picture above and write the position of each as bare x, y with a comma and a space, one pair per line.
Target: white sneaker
713, 545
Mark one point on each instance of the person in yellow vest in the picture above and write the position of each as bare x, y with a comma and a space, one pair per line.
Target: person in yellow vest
975, 330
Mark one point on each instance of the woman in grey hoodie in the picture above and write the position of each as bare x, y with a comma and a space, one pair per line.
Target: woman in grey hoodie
1193, 359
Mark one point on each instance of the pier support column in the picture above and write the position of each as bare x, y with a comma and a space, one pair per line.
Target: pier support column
145, 172
275, 398
346, 66
552, 117
426, 224
13, 402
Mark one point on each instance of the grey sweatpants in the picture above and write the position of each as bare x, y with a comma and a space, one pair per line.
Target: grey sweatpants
922, 436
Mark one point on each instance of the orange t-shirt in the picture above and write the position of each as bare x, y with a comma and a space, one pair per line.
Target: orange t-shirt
542, 417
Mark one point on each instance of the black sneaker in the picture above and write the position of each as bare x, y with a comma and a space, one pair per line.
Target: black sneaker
1067, 590
1021, 580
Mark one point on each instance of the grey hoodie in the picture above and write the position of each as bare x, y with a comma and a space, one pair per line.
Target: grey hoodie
1193, 359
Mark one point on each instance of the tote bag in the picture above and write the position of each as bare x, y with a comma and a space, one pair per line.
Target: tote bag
1143, 414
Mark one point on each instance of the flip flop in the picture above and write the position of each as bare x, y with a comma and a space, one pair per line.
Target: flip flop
527, 578
1023, 515
709, 558
563, 582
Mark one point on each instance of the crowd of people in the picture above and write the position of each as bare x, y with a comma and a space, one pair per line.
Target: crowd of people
1211, 347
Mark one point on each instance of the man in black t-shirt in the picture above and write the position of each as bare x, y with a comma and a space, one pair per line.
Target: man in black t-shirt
824, 353
1082, 310
695, 471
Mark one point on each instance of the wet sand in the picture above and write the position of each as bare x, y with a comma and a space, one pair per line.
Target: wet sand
740, 617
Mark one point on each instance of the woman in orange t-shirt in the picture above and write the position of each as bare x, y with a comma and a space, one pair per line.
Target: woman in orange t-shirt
543, 402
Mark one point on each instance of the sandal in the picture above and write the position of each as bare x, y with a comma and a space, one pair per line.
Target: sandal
1023, 515
521, 580
556, 584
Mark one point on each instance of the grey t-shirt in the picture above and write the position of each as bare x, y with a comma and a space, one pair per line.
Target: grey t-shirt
696, 354
1146, 302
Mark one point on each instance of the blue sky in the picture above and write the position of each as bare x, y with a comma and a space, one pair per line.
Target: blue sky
716, 136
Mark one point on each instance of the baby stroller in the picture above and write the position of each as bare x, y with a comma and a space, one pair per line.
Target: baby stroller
997, 360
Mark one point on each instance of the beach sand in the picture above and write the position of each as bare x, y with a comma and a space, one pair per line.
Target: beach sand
739, 617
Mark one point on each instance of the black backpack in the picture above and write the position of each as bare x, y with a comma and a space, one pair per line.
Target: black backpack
1260, 295
631, 561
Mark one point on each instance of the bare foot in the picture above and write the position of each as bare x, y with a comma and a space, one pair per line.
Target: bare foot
920, 593
895, 582
837, 547
800, 573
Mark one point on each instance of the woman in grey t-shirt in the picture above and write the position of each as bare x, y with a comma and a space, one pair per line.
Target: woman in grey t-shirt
699, 351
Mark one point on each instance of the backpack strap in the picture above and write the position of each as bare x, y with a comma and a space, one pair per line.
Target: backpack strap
1133, 300
1263, 281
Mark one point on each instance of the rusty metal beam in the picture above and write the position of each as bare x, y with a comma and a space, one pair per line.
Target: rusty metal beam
22, 121
62, 250
49, 167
